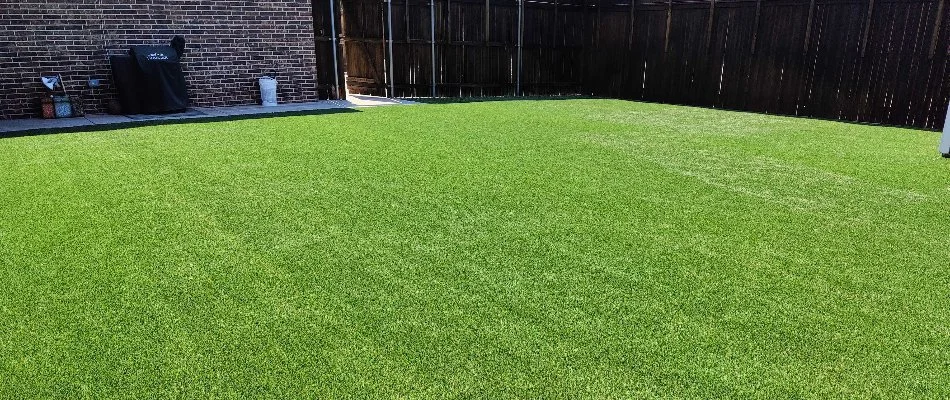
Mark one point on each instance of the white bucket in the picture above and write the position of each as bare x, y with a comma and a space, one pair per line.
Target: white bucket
268, 91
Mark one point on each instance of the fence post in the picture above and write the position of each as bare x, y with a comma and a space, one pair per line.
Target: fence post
633, 20
487, 21
936, 34
808, 24
669, 26
755, 24
336, 62
867, 28
389, 37
712, 21
520, 43
432, 34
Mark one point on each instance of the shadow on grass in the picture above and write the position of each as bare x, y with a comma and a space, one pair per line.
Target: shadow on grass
159, 121
807, 117
453, 100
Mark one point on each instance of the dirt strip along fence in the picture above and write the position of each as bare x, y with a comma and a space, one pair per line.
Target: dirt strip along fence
877, 61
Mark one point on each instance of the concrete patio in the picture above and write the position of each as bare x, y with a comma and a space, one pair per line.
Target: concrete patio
15, 127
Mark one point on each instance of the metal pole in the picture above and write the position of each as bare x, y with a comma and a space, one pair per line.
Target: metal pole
945, 141
432, 30
520, 42
389, 20
336, 64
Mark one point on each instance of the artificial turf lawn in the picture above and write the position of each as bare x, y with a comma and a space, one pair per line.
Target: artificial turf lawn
559, 248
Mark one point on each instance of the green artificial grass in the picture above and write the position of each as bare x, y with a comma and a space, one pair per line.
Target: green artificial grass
501, 249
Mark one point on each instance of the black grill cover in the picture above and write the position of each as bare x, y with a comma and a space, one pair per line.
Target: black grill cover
163, 86
128, 83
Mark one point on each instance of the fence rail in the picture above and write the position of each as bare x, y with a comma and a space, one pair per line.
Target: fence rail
878, 61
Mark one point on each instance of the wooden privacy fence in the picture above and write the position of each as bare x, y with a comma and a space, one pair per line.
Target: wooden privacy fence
879, 61
462, 47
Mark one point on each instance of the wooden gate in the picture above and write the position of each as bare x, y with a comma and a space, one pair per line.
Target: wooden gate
364, 46
461, 48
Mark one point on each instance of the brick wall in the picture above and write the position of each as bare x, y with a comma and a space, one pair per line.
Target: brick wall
230, 44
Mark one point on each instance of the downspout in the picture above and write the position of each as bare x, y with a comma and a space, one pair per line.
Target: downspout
520, 45
432, 31
389, 23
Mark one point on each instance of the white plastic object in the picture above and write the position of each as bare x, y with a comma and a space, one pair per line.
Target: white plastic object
945, 141
268, 91
50, 81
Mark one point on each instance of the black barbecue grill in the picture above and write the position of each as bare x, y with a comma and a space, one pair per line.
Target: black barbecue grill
150, 80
